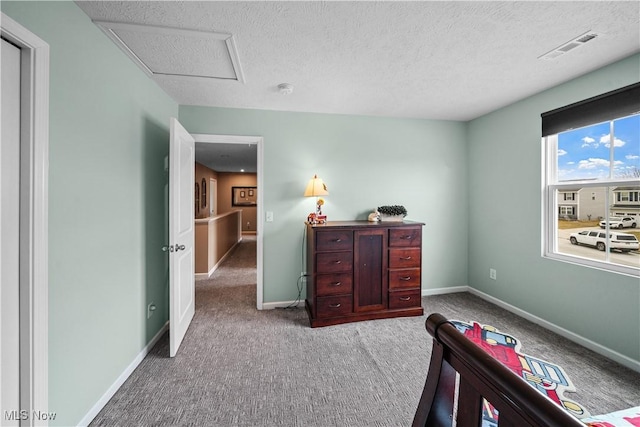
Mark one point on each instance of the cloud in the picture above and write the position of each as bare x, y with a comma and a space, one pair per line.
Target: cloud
631, 157
597, 163
606, 140
571, 163
561, 152
588, 142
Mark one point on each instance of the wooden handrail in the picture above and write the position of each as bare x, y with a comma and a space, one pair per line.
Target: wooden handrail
481, 376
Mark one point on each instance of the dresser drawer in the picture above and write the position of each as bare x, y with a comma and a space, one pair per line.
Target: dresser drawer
404, 299
406, 278
334, 262
338, 305
404, 258
400, 237
333, 284
334, 240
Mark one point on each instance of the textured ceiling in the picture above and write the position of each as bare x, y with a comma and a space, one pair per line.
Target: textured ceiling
445, 60
437, 60
178, 52
223, 157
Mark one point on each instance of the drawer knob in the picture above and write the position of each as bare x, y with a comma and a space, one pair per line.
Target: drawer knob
336, 284
406, 278
338, 240
405, 298
335, 305
337, 262
405, 258
407, 237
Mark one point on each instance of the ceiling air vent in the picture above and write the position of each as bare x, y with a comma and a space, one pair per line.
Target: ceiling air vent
570, 45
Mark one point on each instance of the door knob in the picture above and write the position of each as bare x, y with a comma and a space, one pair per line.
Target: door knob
180, 248
167, 248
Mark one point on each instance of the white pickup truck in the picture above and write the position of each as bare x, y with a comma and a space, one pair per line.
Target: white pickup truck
619, 222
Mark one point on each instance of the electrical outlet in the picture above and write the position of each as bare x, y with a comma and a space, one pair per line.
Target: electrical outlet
269, 216
150, 309
493, 274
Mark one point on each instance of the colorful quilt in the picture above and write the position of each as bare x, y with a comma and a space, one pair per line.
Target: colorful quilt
546, 377
625, 418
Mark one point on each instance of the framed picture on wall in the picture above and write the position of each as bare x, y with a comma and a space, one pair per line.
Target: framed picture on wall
204, 193
244, 196
197, 198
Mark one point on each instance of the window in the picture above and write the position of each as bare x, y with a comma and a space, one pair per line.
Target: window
591, 178
567, 210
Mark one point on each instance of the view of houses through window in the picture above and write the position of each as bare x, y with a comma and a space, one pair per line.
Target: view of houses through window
593, 176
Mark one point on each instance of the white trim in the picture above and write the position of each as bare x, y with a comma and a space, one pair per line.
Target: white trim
86, 420
425, 293
443, 291
551, 186
34, 299
281, 304
236, 139
215, 267
108, 28
598, 348
585, 342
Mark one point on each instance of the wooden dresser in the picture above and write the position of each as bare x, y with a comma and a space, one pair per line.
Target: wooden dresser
360, 270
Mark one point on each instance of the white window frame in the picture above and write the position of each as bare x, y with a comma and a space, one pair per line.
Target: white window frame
551, 188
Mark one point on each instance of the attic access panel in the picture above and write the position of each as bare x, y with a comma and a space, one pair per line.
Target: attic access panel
177, 52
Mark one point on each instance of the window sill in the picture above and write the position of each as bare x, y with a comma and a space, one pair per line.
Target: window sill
590, 263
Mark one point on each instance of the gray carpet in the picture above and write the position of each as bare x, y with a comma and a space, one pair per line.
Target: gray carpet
241, 367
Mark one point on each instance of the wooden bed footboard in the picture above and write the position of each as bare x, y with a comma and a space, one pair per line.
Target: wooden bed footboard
481, 376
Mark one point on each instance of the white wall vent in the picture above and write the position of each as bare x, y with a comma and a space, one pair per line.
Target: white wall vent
570, 45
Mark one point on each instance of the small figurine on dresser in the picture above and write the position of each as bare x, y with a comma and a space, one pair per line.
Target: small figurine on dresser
317, 217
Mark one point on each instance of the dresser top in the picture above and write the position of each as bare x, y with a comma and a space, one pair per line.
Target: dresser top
363, 224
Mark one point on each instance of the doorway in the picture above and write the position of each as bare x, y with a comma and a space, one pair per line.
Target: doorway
28, 187
9, 226
258, 141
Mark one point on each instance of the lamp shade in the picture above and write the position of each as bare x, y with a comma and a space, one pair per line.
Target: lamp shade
316, 187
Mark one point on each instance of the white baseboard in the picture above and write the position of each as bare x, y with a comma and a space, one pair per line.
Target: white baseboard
122, 378
613, 355
201, 276
281, 304
442, 291
600, 349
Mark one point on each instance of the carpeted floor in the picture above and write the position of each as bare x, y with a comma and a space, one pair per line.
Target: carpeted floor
241, 367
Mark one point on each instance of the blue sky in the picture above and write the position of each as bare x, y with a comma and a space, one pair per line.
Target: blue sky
585, 153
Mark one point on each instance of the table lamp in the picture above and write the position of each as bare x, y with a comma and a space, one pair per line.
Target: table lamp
316, 188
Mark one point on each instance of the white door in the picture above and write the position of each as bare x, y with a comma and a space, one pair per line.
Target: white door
181, 234
9, 236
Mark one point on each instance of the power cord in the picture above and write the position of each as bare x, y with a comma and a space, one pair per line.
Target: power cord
294, 304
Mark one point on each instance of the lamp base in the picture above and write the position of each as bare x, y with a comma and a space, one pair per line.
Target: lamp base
314, 218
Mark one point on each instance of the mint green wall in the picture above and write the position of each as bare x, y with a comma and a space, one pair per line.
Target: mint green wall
108, 141
366, 162
505, 218
107, 210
